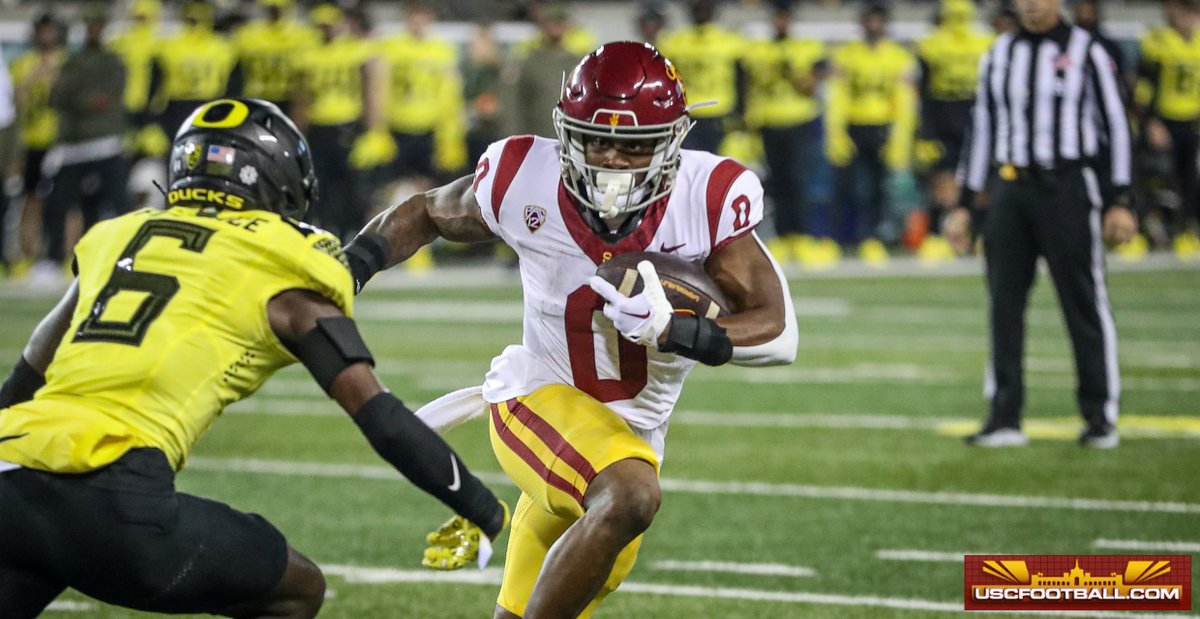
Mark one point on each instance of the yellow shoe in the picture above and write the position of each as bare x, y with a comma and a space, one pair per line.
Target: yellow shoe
803, 247
780, 249
872, 252
1186, 246
420, 262
934, 250
21, 268
459, 542
825, 254
1134, 249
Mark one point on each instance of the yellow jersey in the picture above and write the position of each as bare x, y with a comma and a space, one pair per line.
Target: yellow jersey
137, 48
772, 67
170, 328
331, 74
195, 65
950, 62
266, 53
1172, 87
706, 58
37, 122
424, 85
873, 83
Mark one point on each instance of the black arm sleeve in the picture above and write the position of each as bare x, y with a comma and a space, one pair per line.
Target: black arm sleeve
367, 254
21, 384
427, 461
699, 338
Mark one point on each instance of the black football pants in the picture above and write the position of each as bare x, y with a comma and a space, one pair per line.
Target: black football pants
1055, 215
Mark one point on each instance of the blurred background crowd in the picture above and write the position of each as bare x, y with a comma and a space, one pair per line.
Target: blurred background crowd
854, 119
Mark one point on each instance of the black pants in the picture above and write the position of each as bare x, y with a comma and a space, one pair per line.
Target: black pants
706, 135
414, 154
785, 149
124, 536
1054, 215
1185, 147
95, 187
338, 208
861, 186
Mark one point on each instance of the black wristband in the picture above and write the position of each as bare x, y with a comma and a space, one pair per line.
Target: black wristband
699, 338
21, 384
367, 254
427, 461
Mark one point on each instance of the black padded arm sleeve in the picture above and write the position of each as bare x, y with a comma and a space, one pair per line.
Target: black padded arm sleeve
367, 255
332, 346
427, 461
21, 384
699, 338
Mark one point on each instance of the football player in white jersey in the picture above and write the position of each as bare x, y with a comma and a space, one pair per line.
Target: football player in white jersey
578, 411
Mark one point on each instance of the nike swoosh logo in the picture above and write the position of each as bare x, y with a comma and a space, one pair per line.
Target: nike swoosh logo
666, 250
642, 316
9, 438
457, 481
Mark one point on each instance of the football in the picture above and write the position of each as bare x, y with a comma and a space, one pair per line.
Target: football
689, 289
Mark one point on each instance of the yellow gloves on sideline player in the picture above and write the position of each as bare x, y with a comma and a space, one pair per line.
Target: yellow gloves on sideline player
372, 149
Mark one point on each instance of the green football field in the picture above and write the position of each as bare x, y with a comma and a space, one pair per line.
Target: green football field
836, 487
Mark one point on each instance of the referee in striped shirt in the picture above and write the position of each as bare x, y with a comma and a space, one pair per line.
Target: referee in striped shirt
1048, 115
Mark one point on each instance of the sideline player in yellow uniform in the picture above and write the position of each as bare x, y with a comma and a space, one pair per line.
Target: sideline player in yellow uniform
137, 47
783, 74
338, 99
1169, 95
706, 56
192, 67
175, 315
870, 123
425, 100
949, 64
266, 54
33, 76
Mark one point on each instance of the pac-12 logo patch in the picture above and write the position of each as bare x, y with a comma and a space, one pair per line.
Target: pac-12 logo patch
535, 216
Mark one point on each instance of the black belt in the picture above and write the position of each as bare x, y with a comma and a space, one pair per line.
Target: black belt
1015, 174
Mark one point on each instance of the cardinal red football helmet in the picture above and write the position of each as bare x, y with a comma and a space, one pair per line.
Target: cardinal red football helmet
625, 90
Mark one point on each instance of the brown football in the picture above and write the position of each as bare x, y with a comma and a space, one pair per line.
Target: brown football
689, 289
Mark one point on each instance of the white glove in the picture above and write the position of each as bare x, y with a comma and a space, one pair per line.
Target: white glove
642, 317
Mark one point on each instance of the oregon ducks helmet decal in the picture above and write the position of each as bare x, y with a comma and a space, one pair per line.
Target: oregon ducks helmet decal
242, 154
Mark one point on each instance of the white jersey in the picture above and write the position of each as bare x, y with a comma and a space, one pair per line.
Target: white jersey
567, 340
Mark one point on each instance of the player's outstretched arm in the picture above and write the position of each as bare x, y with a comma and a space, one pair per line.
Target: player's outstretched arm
328, 344
449, 212
762, 326
29, 375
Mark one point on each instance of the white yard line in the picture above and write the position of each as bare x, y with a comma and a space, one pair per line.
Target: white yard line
491, 577
1134, 544
922, 555
71, 606
844, 493
726, 567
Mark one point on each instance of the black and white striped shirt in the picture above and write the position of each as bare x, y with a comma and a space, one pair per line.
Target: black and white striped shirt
1045, 100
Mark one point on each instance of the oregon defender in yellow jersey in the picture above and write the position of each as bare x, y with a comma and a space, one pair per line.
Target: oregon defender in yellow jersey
870, 122
267, 50
174, 315
949, 65
706, 56
1169, 95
